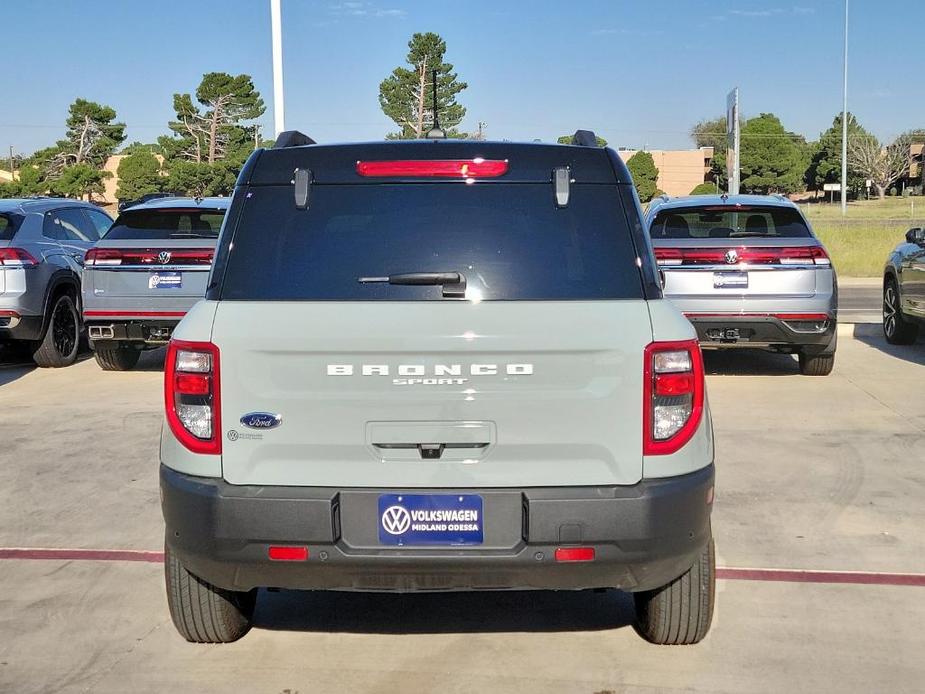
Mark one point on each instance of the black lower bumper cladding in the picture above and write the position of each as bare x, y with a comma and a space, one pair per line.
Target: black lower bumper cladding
643, 536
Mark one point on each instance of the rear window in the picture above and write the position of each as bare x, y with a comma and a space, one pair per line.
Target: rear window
508, 240
8, 225
166, 224
728, 222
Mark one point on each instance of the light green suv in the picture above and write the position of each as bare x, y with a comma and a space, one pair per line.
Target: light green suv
436, 366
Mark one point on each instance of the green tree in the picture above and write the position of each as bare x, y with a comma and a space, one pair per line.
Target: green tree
704, 189
139, 173
217, 126
772, 160
29, 181
199, 179
567, 140
406, 96
79, 180
91, 137
645, 175
711, 132
825, 157
883, 165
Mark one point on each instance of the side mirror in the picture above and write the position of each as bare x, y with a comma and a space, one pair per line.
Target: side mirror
916, 236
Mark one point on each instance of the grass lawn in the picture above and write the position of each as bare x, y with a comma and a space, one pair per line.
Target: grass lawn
860, 242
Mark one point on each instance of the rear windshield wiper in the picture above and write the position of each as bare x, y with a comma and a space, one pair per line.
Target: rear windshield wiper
453, 283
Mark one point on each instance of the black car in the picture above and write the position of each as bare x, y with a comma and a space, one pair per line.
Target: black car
904, 290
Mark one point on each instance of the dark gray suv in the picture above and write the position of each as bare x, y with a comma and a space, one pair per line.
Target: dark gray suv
42, 245
904, 290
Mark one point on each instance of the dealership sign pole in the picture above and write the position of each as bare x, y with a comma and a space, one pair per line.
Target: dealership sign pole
277, 31
732, 141
844, 127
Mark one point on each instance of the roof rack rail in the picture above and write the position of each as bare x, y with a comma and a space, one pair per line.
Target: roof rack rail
292, 138
584, 138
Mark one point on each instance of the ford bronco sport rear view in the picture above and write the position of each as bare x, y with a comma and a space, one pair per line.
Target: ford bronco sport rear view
435, 366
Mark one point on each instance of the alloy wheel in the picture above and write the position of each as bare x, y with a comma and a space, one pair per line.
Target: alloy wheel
64, 328
889, 311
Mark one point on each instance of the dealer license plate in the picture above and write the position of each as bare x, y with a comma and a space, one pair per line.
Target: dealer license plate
431, 519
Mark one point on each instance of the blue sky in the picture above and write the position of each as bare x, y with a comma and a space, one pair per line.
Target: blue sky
638, 73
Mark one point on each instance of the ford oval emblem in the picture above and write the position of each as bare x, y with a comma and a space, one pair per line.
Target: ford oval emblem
261, 420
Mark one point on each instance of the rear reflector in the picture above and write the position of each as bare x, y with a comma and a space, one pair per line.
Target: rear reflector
284, 553
575, 554
434, 168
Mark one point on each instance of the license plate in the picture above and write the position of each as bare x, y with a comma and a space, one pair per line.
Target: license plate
730, 280
430, 519
165, 280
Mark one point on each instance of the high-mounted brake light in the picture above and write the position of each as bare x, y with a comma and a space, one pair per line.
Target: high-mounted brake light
434, 168
16, 257
673, 395
797, 255
191, 395
148, 256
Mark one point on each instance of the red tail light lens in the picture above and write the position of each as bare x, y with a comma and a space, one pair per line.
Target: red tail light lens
673, 395
799, 255
149, 256
191, 394
16, 257
434, 168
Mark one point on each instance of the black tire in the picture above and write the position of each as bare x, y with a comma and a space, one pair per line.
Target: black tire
816, 364
61, 341
896, 329
117, 358
681, 612
204, 613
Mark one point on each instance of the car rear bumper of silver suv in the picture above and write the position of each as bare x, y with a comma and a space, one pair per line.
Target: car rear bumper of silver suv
635, 538
814, 332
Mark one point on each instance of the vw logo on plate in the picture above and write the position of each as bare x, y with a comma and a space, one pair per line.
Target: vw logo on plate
732, 257
396, 520
163, 257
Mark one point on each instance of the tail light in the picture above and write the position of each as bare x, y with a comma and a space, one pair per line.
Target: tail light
16, 257
673, 395
434, 168
797, 255
148, 256
191, 393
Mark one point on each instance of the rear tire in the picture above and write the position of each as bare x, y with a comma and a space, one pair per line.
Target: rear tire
816, 364
116, 358
204, 613
58, 346
896, 329
681, 612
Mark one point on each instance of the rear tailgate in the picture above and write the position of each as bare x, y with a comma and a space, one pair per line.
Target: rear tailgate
517, 394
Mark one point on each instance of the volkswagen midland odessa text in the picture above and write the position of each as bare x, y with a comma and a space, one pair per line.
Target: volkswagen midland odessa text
436, 366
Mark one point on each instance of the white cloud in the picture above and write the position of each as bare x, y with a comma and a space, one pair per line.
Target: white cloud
363, 9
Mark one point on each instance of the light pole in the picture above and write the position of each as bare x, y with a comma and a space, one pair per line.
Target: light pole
844, 128
279, 120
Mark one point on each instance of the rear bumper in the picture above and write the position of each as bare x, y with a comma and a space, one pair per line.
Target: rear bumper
151, 330
16, 327
717, 330
644, 536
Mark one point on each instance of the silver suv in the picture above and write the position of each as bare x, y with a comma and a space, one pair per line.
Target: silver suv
748, 271
143, 276
42, 246
436, 366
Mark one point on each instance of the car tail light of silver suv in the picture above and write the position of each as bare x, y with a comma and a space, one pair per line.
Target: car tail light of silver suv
16, 257
191, 389
673, 395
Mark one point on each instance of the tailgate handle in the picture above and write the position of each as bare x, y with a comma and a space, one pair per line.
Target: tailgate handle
431, 451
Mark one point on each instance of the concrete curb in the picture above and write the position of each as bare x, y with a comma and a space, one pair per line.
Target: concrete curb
860, 281
859, 329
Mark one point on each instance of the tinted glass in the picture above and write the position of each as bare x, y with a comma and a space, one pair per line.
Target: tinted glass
727, 222
167, 224
100, 221
8, 225
510, 241
69, 225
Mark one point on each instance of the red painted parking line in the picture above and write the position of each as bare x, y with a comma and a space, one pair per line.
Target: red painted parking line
81, 554
725, 573
865, 578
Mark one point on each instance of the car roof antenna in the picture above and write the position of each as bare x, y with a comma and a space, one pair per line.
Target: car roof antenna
436, 132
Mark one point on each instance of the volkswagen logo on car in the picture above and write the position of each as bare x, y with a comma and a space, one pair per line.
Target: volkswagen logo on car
396, 520
732, 256
163, 257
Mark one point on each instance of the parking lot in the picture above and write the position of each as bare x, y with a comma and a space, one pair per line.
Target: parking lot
814, 474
